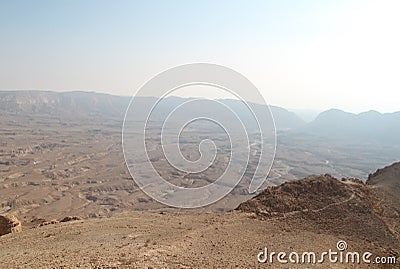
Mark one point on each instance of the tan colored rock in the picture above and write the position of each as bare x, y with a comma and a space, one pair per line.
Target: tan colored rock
54, 221
9, 224
70, 218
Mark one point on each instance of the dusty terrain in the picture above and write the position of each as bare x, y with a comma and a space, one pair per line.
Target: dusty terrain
312, 214
62, 155
151, 240
55, 164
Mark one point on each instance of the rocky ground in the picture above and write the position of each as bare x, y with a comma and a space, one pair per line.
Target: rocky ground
313, 214
172, 240
61, 156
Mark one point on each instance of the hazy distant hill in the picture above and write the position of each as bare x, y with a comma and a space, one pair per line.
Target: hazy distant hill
370, 126
96, 104
285, 119
62, 104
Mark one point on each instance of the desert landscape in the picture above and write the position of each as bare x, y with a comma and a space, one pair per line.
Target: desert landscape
61, 154
301, 216
64, 177
199, 134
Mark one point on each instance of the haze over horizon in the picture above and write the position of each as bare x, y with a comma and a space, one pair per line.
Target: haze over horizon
305, 114
300, 54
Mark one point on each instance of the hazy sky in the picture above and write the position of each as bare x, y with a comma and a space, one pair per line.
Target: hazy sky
300, 54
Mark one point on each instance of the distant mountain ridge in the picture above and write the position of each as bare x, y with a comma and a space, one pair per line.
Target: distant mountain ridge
62, 103
370, 126
78, 103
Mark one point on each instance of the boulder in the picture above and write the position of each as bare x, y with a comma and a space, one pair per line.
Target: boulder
9, 224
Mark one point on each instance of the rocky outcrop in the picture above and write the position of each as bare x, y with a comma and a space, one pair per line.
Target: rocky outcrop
385, 192
9, 224
388, 178
70, 218
323, 204
54, 221
311, 193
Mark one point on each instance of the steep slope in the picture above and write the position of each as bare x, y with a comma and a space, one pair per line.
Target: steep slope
387, 178
327, 205
384, 187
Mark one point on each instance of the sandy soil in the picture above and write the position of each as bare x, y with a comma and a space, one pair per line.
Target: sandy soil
169, 240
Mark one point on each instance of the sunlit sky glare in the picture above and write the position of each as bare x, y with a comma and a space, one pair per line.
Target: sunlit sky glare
300, 54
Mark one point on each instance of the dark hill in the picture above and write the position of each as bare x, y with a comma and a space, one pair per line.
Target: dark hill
387, 178
346, 207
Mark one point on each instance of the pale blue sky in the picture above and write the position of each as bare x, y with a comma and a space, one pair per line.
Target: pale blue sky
300, 54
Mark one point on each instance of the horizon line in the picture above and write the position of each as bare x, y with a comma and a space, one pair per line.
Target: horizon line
316, 111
